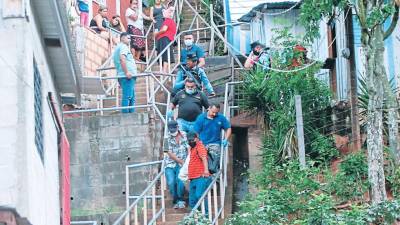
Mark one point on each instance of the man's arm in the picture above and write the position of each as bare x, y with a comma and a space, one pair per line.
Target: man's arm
122, 57
249, 61
228, 133
206, 173
201, 56
204, 100
179, 82
175, 158
202, 62
206, 82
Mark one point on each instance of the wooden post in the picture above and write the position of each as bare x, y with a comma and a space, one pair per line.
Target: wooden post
300, 131
355, 141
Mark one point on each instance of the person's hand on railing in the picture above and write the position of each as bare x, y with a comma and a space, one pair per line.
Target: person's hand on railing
224, 143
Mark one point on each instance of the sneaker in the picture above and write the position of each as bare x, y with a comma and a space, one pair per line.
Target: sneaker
182, 204
176, 206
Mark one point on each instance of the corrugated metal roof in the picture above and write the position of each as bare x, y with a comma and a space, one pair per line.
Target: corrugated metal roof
268, 5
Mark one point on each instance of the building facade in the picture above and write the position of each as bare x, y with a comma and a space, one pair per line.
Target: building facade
37, 66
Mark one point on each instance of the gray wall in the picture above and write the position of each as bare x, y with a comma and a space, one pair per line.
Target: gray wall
101, 147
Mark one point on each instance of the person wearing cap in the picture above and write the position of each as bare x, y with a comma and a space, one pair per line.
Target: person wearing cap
259, 56
198, 173
191, 102
209, 126
192, 49
126, 69
177, 152
194, 72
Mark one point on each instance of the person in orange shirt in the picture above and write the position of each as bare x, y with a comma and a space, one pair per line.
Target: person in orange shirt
198, 173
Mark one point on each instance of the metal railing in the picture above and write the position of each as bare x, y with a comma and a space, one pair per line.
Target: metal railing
84, 222
132, 209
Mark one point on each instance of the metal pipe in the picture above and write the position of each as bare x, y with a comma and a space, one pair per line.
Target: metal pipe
137, 196
154, 219
153, 201
144, 164
215, 202
84, 222
127, 193
209, 203
106, 109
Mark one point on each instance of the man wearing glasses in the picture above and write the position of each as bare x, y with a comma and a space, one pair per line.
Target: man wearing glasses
190, 101
126, 69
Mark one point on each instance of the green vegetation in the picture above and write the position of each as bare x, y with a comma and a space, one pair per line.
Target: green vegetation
319, 194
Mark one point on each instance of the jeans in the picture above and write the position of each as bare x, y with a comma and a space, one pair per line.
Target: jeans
175, 185
196, 190
184, 125
128, 93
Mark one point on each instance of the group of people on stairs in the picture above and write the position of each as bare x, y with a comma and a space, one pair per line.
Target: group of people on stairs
190, 150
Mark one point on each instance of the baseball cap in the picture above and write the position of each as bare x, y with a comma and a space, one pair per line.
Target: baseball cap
192, 58
172, 126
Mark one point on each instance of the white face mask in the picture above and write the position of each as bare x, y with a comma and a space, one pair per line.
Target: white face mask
174, 134
188, 42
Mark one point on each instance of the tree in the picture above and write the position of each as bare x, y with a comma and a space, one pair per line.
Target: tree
371, 15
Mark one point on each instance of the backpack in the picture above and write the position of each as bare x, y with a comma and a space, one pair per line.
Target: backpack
212, 161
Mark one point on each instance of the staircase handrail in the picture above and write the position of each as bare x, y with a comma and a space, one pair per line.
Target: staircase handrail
143, 195
83, 222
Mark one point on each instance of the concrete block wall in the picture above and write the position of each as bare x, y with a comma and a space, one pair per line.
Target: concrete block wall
101, 147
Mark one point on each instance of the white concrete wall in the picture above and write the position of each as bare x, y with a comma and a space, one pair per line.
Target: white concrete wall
26, 184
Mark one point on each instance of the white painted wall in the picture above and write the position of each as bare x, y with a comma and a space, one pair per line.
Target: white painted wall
26, 184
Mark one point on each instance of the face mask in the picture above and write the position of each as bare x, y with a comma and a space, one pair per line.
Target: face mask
188, 42
189, 91
174, 134
256, 52
192, 144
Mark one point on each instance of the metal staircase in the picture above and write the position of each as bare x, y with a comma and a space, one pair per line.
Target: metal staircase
153, 205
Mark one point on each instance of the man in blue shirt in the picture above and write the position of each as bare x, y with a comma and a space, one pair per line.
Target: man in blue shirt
209, 126
193, 71
127, 70
192, 49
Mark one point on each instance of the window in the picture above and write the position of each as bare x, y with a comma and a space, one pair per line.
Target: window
38, 106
